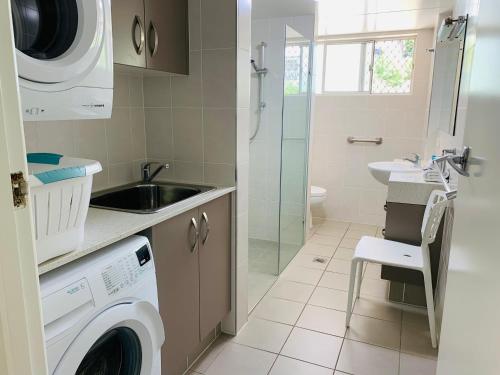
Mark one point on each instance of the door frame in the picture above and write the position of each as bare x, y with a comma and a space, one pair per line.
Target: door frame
22, 344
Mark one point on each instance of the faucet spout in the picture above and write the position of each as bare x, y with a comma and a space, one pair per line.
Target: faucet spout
147, 175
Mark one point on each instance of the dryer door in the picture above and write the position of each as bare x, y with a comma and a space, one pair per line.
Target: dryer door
58, 40
125, 339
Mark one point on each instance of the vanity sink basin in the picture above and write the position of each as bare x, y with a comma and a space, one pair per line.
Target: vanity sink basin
381, 170
145, 198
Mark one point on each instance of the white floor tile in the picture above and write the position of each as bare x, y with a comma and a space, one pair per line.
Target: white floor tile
376, 288
241, 360
344, 253
278, 310
310, 261
211, 354
317, 249
301, 275
320, 239
415, 336
329, 298
373, 271
292, 291
314, 347
264, 335
323, 320
377, 308
357, 234
290, 366
334, 281
363, 359
413, 365
369, 229
349, 243
374, 331
339, 266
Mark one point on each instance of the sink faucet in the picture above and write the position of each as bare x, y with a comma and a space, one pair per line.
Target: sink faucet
415, 161
147, 175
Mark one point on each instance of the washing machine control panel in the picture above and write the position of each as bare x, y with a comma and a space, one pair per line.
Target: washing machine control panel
127, 271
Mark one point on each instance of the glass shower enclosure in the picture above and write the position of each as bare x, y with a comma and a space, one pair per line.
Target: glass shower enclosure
281, 96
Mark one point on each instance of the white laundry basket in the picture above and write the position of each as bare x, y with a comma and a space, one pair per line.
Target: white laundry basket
60, 189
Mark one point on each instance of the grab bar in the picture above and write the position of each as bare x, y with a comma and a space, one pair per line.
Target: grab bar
377, 141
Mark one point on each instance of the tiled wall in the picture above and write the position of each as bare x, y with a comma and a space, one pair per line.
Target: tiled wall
118, 143
191, 120
265, 149
341, 168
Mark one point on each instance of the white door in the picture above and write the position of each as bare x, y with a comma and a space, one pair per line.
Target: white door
21, 331
470, 335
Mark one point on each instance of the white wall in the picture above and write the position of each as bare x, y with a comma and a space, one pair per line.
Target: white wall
265, 150
341, 168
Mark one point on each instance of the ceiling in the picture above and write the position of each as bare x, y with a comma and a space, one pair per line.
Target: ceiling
282, 8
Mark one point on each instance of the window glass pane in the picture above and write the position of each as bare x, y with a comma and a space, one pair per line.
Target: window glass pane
318, 68
345, 67
292, 69
304, 70
393, 66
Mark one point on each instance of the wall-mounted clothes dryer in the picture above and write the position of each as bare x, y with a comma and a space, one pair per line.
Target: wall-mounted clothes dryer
64, 54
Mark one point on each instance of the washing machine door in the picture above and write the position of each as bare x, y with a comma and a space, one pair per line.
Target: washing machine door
57, 40
125, 339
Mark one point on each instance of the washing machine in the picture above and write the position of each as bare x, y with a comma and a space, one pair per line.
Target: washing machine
64, 58
100, 313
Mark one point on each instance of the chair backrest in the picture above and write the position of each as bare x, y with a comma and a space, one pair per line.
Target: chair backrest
434, 211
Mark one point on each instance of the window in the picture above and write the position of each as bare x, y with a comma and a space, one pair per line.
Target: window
296, 68
371, 67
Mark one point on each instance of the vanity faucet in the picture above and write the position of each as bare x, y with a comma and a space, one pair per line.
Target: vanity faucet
415, 160
147, 175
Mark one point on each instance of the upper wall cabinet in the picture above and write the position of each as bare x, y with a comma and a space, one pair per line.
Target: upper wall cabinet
151, 34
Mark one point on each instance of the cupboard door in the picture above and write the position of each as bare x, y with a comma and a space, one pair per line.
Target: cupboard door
129, 33
177, 274
215, 263
167, 35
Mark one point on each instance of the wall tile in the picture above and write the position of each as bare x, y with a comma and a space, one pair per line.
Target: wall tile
121, 174
120, 91
219, 174
194, 7
138, 130
159, 137
90, 141
56, 136
218, 24
136, 92
219, 129
188, 171
188, 134
119, 136
186, 90
219, 86
157, 92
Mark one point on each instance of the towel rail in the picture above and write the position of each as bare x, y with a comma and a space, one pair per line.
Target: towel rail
377, 141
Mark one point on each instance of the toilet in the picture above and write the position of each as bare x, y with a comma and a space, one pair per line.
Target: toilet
318, 197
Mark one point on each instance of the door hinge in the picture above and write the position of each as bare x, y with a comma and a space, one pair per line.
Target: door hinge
19, 189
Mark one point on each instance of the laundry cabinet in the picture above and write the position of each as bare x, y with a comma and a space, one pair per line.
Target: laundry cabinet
192, 253
151, 34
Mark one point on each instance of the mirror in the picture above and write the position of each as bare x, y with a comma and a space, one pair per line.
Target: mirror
448, 61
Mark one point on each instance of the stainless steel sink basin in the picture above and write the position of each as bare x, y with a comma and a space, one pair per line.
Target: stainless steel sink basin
145, 198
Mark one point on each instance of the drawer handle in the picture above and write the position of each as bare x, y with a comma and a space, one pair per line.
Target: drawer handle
154, 48
139, 47
194, 242
204, 218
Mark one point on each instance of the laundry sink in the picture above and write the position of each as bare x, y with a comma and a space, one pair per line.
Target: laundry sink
381, 170
145, 198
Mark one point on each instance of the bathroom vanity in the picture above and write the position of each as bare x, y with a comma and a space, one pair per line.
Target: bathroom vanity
406, 201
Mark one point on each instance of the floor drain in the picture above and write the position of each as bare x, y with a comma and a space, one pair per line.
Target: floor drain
319, 260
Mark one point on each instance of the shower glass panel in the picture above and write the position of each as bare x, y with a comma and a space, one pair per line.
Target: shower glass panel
294, 145
279, 135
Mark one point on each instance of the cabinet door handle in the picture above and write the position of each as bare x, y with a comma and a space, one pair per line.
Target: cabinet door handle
153, 49
194, 242
139, 47
204, 218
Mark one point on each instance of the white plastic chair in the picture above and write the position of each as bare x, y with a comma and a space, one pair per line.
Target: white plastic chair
392, 253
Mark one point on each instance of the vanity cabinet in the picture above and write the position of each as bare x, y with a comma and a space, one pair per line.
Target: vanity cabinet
151, 34
192, 254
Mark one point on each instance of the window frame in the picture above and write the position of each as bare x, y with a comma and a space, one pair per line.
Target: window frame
301, 44
326, 41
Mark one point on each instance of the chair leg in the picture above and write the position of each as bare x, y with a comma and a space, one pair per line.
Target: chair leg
360, 278
430, 306
352, 280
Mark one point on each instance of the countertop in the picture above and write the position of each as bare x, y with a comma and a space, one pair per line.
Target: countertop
104, 227
410, 188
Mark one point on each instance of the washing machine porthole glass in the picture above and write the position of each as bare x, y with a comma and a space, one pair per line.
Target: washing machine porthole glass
44, 29
117, 352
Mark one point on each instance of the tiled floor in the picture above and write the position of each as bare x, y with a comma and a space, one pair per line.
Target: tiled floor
298, 327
